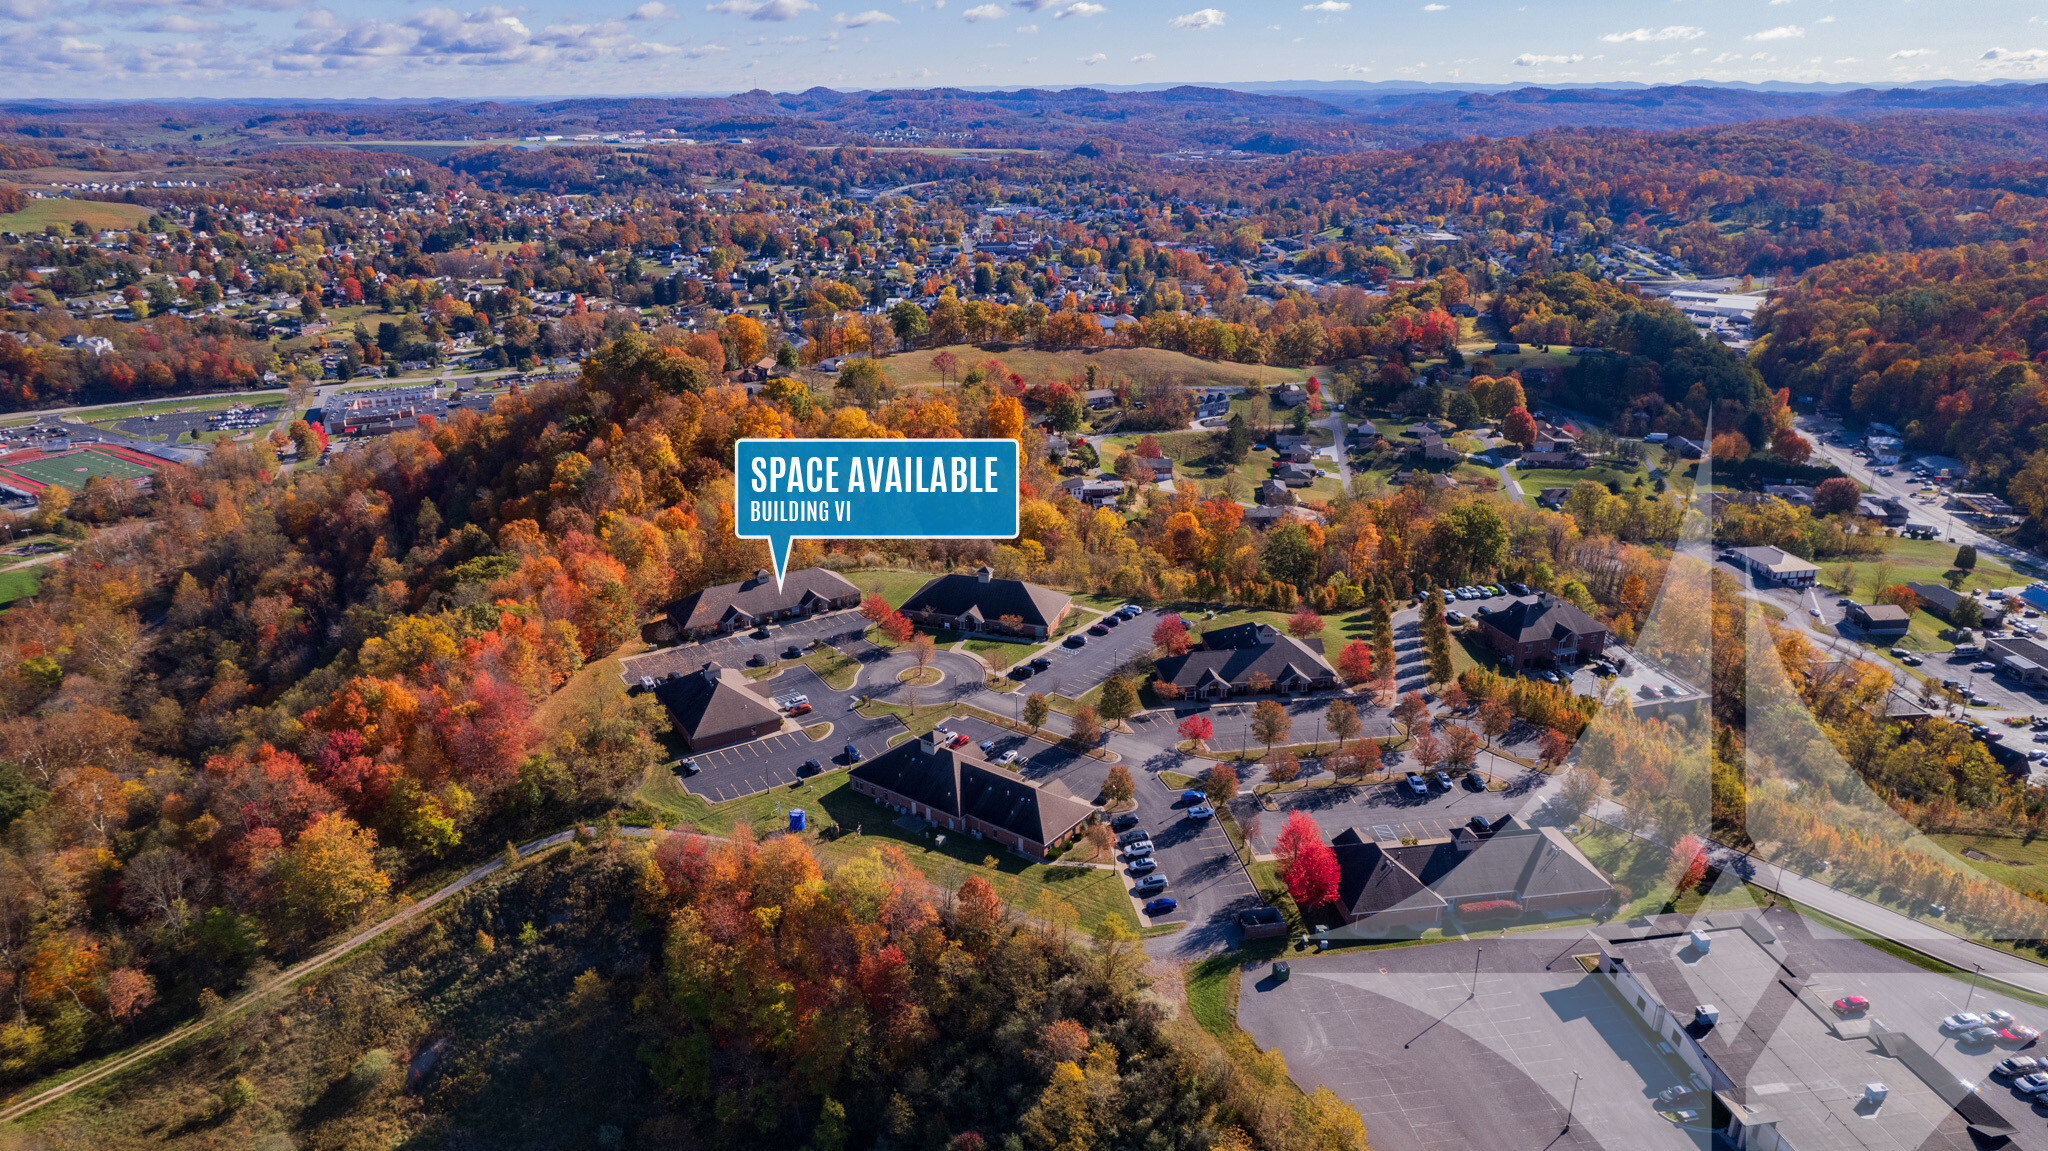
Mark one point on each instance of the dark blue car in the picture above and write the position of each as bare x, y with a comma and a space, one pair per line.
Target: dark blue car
1193, 796
1163, 905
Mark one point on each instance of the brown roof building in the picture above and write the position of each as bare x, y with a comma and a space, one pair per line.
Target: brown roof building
739, 606
1546, 629
959, 791
1407, 889
715, 706
1237, 660
982, 603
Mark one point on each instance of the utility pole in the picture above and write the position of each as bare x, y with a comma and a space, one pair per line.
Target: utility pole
1573, 1105
1475, 972
1974, 973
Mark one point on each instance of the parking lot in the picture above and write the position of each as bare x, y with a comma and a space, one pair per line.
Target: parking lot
1232, 722
1076, 670
1387, 810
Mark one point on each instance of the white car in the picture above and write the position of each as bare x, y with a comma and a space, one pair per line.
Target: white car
1141, 848
1962, 1021
1007, 758
2031, 1084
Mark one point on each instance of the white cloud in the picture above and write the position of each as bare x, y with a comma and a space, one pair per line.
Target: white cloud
1829, 19
703, 50
1034, 5
984, 12
763, 9
653, 10
1532, 60
26, 9
1781, 32
863, 19
2025, 59
1328, 6
1910, 53
1083, 9
1644, 35
1142, 57
1027, 29
1436, 7
1094, 59
1203, 18
176, 22
1725, 57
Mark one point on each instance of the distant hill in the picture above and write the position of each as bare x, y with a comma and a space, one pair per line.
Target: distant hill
1259, 119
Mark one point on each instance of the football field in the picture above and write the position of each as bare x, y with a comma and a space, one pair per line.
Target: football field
71, 469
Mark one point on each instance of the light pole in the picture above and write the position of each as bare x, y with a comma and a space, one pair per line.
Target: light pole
1573, 1105
1974, 973
1475, 973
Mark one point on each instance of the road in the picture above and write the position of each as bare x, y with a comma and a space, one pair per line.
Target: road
287, 978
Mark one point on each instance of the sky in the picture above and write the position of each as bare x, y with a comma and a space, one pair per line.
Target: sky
127, 49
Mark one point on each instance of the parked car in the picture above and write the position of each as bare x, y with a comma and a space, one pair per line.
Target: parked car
1962, 1021
761, 632
1475, 781
2018, 1035
1149, 884
810, 767
2016, 1066
1112, 620
1193, 796
1007, 758
1998, 1018
1141, 866
1135, 835
1201, 811
1077, 640
1911, 660
1040, 664
686, 766
987, 745
1164, 905
960, 739
1984, 665
2033, 1084
1443, 780
1137, 849
1131, 609
1454, 617
1021, 672
800, 709
1122, 821
1098, 631
792, 652
1519, 588
1416, 785
1978, 1037
1851, 1005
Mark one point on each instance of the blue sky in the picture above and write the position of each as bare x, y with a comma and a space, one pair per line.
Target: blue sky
155, 48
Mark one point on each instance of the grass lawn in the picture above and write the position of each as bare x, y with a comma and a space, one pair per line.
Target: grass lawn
20, 583
892, 585
1927, 561
998, 654
592, 684
1093, 893
40, 214
1534, 480
1640, 865
2019, 863
1137, 363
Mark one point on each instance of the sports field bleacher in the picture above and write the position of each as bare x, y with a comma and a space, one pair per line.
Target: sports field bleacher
31, 471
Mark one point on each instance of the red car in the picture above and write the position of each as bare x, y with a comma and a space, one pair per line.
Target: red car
1852, 1005
961, 739
800, 709
2018, 1035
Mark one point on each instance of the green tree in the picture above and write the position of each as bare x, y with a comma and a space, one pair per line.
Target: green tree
909, 322
1966, 558
1436, 638
1119, 788
1290, 557
1118, 702
1036, 708
1471, 538
1270, 723
866, 382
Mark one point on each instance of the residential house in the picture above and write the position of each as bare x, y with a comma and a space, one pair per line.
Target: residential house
752, 602
1890, 512
1294, 475
1161, 468
1775, 564
984, 604
1246, 658
1688, 449
1433, 450
1290, 395
1546, 629
1099, 398
1099, 493
1272, 514
1939, 600
1553, 498
1405, 889
1880, 619
1565, 457
714, 707
1274, 493
961, 792
1798, 495
1364, 432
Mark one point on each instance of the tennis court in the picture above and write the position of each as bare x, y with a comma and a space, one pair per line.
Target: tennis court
71, 469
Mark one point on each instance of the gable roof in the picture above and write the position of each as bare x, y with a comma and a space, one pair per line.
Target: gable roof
1232, 655
1545, 617
982, 595
759, 596
967, 786
713, 701
1507, 860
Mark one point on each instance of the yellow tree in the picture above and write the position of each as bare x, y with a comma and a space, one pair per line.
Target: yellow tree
330, 875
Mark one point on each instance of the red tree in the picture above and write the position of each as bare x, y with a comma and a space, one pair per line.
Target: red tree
1519, 427
1197, 727
1148, 448
1552, 749
1836, 495
1307, 864
897, 627
1688, 865
1355, 661
1304, 623
1171, 633
875, 608
1791, 447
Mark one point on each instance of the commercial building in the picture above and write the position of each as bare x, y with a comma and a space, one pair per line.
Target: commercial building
381, 411
983, 604
1775, 564
1880, 619
1943, 601
1397, 888
715, 706
1247, 659
1546, 629
2023, 659
959, 791
749, 603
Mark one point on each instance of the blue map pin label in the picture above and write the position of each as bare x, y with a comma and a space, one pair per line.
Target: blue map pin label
787, 490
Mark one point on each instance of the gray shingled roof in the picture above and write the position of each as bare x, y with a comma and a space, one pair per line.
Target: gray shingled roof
712, 701
1545, 617
1512, 859
758, 596
964, 785
956, 594
1235, 653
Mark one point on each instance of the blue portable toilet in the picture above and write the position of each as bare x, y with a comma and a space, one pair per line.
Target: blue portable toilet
796, 819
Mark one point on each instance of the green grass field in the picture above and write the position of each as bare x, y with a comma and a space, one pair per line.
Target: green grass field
40, 214
71, 469
892, 585
1534, 480
20, 583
